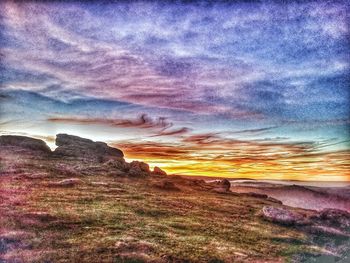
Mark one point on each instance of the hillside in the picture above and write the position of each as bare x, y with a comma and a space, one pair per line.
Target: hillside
84, 203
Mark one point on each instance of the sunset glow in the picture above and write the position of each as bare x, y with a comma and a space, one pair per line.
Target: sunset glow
241, 90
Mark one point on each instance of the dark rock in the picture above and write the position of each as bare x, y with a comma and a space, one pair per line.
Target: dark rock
158, 171
24, 143
256, 195
225, 184
74, 146
221, 186
274, 200
282, 216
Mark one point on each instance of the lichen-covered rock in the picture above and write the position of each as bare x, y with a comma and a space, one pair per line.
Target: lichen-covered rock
158, 171
74, 146
282, 216
24, 142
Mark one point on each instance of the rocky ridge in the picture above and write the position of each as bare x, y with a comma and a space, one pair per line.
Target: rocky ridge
83, 155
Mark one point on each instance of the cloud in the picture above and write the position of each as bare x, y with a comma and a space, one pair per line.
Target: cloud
209, 60
158, 127
179, 131
208, 154
253, 131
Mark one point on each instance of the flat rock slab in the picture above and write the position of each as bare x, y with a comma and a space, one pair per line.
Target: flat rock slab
282, 216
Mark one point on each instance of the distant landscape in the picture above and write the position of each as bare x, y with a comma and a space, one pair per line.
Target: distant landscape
301, 194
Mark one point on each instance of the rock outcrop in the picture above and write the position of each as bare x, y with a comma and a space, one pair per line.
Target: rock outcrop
76, 155
74, 146
327, 221
221, 186
333, 218
137, 169
24, 142
158, 171
282, 216
87, 155
328, 228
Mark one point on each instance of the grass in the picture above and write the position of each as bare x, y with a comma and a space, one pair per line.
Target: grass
128, 220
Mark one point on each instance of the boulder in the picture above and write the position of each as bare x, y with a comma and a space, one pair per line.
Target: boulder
137, 169
225, 184
221, 186
158, 171
118, 164
24, 142
77, 147
282, 216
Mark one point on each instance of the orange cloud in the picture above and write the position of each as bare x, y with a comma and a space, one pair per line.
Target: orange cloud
211, 155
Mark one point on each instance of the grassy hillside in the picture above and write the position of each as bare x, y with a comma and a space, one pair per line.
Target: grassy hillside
67, 210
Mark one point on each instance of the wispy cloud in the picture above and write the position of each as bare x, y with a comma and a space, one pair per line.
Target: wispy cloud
184, 57
295, 160
159, 127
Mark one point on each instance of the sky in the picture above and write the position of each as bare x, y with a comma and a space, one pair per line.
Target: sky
241, 89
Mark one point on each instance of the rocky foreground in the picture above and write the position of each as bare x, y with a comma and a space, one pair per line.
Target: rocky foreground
83, 202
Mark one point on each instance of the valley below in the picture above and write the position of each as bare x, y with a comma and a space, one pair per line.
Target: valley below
314, 196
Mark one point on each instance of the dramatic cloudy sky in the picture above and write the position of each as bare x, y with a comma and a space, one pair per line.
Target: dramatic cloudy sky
235, 89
